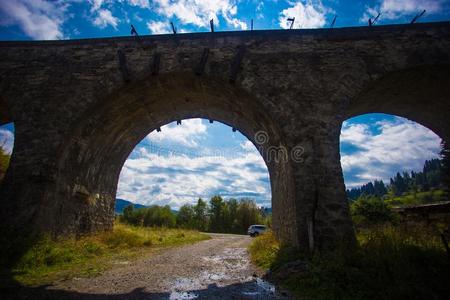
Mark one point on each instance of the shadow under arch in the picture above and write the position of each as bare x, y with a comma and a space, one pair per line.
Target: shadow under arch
7, 120
421, 94
5, 117
90, 160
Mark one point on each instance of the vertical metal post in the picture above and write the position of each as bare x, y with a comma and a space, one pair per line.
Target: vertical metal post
211, 24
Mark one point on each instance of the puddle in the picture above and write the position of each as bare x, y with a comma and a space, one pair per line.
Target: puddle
266, 286
182, 296
233, 259
213, 277
185, 284
227, 277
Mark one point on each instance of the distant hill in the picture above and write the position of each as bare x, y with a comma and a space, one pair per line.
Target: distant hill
121, 204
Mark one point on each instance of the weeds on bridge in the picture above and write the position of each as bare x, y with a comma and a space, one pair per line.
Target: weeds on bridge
389, 263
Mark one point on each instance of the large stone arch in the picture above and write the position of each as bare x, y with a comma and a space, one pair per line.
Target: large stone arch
90, 160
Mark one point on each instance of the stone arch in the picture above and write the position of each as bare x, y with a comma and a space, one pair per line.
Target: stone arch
91, 158
421, 94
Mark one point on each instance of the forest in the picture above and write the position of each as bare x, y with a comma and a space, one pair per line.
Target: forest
219, 215
424, 186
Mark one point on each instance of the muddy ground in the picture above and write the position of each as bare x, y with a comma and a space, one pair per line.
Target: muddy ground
218, 268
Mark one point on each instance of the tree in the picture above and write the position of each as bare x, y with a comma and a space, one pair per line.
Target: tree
185, 217
248, 214
379, 188
232, 222
216, 209
128, 212
201, 215
370, 210
220, 215
159, 216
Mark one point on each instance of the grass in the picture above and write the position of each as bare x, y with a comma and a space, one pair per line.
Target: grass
417, 198
264, 250
49, 259
389, 263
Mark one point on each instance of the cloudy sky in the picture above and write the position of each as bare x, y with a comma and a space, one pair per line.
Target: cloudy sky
198, 159
64, 19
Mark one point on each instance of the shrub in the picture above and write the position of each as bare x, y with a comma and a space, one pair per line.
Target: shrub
369, 210
264, 250
389, 263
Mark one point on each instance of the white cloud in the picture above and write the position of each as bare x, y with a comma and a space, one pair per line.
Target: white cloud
248, 146
158, 27
355, 133
189, 133
395, 9
199, 12
96, 4
307, 14
177, 180
104, 18
139, 3
39, 19
6, 140
101, 16
151, 176
399, 145
259, 9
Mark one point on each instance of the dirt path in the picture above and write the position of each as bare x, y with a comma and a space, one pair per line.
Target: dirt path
218, 268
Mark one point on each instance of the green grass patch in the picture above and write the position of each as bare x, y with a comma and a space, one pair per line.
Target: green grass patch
49, 259
434, 195
389, 263
264, 250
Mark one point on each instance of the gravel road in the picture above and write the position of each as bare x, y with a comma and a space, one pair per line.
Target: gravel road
218, 268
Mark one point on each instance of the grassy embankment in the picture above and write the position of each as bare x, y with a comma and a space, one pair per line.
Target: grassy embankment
50, 259
389, 263
434, 195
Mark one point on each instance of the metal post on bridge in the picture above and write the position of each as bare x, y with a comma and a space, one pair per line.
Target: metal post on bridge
211, 24
292, 20
333, 22
417, 17
372, 22
174, 30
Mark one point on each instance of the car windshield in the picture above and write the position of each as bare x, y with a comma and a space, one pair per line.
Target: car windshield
257, 227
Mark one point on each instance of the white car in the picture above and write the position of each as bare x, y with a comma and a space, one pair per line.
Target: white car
255, 230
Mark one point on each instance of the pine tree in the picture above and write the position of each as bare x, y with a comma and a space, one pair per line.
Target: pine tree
216, 210
201, 215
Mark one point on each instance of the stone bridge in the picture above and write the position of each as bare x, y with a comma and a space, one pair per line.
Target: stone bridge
81, 106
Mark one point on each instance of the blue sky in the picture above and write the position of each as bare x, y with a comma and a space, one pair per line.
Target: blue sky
198, 159
69, 19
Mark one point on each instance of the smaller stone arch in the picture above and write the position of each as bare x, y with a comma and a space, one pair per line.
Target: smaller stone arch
421, 94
